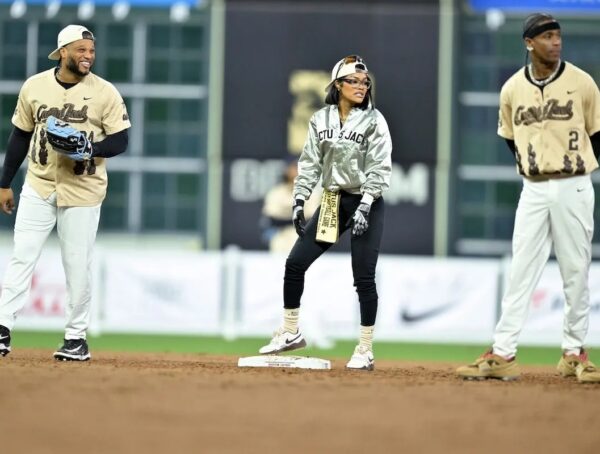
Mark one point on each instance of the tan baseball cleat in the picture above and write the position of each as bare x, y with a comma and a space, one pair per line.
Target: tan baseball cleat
490, 365
579, 366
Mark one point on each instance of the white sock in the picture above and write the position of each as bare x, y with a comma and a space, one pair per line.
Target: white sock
290, 320
366, 337
572, 351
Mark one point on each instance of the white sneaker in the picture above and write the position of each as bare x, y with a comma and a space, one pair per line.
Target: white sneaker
282, 342
361, 359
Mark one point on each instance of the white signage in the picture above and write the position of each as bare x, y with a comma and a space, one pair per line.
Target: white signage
45, 306
161, 292
544, 324
441, 300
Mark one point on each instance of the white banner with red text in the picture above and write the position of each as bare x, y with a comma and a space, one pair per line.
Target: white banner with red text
238, 294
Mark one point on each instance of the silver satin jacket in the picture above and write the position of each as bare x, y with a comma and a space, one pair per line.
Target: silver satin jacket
356, 158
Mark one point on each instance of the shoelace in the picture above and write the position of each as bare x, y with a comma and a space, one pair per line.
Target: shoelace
581, 361
278, 333
589, 367
71, 343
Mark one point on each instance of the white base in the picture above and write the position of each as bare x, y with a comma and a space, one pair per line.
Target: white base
298, 362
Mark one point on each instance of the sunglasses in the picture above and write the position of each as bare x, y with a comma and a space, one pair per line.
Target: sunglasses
355, 83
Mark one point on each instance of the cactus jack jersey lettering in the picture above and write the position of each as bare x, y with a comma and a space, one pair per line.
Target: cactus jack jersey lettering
95, 107
354, 157
551, 127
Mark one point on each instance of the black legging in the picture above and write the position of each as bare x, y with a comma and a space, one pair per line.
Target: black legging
365, 251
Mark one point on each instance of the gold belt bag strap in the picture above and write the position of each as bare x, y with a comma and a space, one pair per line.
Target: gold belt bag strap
327, 227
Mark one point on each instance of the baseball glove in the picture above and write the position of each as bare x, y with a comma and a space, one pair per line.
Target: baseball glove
67, 140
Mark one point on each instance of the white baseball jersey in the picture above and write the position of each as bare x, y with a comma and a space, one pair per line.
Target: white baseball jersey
93, 106
551, 128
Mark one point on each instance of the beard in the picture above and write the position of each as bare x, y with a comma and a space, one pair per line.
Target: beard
74, 67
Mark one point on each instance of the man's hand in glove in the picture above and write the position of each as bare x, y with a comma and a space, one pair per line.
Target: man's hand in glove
67, 140
298, 217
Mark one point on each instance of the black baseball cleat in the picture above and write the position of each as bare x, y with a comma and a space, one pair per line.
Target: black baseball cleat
4, 340
73, 350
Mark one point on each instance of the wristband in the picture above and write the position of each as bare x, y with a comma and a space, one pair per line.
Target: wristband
367, 198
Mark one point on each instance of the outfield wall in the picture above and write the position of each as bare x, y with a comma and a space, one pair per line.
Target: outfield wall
237, 293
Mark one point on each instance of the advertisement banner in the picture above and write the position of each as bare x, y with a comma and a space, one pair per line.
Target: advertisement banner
439, 300
161, 292
575, 6
544, 325
239, 293
420, 299
45, 307
329, 302
280, 72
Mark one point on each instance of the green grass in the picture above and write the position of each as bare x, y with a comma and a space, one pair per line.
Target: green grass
249, 346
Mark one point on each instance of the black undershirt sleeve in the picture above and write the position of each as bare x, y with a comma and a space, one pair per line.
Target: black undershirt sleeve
112, 145
16, 152
596, 144
512, 146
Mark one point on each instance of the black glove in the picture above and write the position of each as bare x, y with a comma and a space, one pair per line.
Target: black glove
360, 219
298, 217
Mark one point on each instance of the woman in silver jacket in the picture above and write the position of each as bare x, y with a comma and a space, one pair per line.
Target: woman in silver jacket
349, 147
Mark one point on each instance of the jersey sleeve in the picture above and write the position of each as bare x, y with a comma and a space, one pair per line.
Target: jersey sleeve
378, 159
115, 117
23, 115
592, 107
505, 126
309, 164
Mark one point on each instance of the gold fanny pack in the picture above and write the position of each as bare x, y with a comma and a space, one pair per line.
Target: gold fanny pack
327, 227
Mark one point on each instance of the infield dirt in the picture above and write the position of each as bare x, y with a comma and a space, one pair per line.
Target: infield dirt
147, 403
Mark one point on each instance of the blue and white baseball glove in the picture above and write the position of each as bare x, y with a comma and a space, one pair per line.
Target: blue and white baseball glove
67, 140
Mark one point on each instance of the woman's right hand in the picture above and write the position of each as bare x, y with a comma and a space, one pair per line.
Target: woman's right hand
298, 217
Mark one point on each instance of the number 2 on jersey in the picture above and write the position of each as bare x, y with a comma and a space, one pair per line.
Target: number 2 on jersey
574, 138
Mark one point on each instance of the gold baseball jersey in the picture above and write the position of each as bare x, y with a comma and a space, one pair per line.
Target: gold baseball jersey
551, 127
278, 203
93, 106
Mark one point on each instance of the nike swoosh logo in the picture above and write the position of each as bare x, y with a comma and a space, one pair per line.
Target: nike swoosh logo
73, 350
420, 316
4, 337
289, 341
87, 99
579, 190
571, 92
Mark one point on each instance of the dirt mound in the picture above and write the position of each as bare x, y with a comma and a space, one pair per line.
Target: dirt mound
143, 403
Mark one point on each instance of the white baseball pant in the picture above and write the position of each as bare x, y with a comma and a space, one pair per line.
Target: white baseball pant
76, 228
557, 212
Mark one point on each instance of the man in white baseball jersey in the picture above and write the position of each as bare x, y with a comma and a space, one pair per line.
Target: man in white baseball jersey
550, 118
60, 189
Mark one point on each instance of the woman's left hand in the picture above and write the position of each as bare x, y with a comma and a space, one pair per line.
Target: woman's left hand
360, 219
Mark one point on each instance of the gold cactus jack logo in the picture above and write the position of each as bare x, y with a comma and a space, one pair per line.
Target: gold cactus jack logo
308, 91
